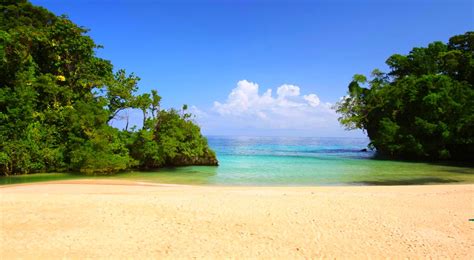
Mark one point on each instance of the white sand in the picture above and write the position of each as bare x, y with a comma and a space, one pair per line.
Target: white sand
78, 219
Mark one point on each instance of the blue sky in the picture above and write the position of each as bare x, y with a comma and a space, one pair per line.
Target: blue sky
212, 55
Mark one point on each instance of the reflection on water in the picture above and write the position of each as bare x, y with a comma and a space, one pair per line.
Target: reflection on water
290, 161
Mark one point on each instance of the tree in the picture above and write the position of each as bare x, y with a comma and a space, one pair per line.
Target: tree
423, 108
119, 92
57, 98
155, 103
181, 142
143, 102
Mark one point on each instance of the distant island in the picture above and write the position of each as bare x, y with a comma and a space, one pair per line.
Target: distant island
423, 109
58, 97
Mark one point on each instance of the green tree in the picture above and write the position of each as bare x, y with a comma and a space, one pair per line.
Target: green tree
423, 108
143, 102
57, 98
119, 92
181, 142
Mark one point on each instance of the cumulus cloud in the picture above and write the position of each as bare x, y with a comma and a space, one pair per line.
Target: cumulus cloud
288, 91
245, 107
313, 99
250, 110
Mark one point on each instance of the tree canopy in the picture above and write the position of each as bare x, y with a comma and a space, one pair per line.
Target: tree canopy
423, 108
57, 98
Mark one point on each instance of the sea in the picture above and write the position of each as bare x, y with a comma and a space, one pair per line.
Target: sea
289, 161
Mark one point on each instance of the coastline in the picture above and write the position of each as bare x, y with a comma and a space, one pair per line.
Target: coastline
113, 218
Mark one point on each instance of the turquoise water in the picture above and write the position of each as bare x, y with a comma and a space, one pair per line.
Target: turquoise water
278, 161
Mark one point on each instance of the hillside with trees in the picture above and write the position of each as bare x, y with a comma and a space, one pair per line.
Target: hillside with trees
423, 108
57, 99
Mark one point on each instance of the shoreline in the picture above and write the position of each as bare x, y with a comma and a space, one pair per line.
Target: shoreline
145, 182
115, 218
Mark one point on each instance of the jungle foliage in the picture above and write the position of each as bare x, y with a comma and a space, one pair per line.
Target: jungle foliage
423, 108
57, 99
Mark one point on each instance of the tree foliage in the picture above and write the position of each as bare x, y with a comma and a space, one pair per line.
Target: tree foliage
57, 97
423, 108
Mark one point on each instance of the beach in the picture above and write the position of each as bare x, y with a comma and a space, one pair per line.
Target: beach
116, 219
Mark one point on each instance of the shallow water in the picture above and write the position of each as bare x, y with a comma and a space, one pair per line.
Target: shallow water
278, 161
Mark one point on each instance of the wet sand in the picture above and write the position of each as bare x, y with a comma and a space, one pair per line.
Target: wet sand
112, 219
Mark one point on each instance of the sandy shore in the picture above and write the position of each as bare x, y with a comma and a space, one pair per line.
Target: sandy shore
121, 219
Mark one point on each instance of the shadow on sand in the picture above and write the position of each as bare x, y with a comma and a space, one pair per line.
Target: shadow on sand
415, 181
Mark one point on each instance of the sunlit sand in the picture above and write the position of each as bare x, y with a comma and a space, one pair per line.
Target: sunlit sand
83, 218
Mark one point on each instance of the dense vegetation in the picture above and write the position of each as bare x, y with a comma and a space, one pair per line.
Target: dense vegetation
423, 108
57, 99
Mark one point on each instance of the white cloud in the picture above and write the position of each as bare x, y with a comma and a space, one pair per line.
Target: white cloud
246, 108
313, 99
247, 112
242, 98
288, 91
